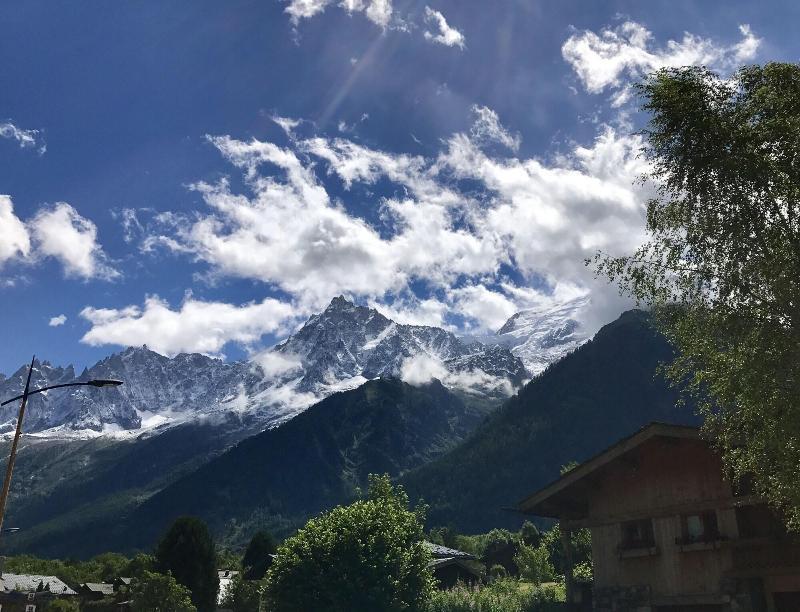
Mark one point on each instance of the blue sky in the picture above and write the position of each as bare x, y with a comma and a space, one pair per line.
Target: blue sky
203, 175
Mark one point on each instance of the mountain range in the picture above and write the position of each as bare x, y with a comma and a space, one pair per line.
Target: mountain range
337, 349
466, 459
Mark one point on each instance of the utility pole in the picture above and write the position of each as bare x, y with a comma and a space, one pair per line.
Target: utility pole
13, 454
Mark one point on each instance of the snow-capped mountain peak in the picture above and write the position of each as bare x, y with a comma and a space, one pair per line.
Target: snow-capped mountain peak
542, 336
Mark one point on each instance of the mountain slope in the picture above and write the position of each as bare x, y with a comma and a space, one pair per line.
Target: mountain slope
606, 389
316, 460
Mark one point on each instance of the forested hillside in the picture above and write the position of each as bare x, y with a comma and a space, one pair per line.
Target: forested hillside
603, 391
318, 459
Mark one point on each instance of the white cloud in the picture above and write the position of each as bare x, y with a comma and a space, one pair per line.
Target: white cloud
421, 369
446, 35
426, 250
60, 232
613, 57
26, 139
197, 327
15, 240
487, 127
377, 11
57, 321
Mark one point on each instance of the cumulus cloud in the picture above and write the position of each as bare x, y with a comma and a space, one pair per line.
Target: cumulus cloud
614, 56
57, 321
445, 34
541, 219
60, 232
26, 139
196, 327
377, 11
15, 240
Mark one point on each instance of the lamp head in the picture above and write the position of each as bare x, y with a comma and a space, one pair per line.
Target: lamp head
104, 382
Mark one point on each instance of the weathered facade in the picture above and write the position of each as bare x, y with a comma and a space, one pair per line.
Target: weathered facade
669, 533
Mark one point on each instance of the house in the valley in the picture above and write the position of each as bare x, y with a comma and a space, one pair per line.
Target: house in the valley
669, 532
226, 577
95, 591
31, 592
451, 566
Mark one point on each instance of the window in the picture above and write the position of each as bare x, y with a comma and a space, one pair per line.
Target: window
700, 527
637, 534
30, 608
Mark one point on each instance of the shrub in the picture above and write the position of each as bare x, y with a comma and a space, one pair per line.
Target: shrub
506, 595
534, 564
153, 592
365, 556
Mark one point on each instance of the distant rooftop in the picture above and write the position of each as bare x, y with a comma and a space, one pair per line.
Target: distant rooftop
29, 583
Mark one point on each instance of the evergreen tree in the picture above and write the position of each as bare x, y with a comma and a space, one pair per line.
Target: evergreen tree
188, 552
257, 559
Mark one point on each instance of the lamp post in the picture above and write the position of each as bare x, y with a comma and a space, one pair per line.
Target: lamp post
101, 382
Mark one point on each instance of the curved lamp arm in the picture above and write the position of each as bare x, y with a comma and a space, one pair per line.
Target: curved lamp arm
100, 382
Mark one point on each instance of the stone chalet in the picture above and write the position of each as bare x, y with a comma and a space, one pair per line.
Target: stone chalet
669, 532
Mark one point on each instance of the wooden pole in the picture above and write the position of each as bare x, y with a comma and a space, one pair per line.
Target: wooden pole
566, 545
13, 454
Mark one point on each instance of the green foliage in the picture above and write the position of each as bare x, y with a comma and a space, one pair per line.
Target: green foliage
581, 548
63, 605
242, 595
139, 564
498, 571
188, 552
606, 389
365, 556
504, 595
102, 568
721, 269
530, 534
445, 536
227, 559
154, 592
534, 564
583, 572
256, 559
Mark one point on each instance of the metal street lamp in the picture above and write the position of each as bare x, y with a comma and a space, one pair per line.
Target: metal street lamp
100, 382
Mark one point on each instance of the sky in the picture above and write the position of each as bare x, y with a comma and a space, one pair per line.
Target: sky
202, 176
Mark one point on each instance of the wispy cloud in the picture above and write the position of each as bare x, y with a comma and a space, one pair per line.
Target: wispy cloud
613, 57
26, 139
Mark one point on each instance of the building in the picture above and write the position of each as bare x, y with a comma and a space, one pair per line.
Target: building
97, 590
669, 532
29, 592
226, 578
451, 566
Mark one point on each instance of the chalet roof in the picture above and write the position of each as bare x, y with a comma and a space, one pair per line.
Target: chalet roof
124, 580
436, 564
443, 552
558, 499
99, 587
28, 583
